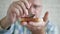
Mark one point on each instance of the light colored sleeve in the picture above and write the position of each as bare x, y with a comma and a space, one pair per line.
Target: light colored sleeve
4, 31
51, 29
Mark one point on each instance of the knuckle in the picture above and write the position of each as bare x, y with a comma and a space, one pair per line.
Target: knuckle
22, 3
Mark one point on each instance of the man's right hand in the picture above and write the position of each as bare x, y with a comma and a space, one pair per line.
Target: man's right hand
16, 10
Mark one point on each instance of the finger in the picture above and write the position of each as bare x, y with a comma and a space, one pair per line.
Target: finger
19, 8
34, 28
27, 25
45, 18
37, 24
34, 24
30, 27
13, 9
23, 7
12, 17
17, 12
26, 3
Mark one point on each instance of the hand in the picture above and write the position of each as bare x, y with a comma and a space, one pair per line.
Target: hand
17, 10
37, 29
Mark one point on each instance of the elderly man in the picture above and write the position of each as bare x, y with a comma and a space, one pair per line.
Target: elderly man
24, 8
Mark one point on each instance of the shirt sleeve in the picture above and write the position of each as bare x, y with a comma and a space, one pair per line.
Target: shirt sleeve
51, 29
4, 31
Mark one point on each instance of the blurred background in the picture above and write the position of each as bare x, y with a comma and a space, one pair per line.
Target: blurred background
53, 6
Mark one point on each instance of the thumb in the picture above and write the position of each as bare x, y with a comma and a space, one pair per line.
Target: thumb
45, 18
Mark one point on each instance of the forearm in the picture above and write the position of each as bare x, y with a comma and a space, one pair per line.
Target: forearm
4, 23
39, 32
